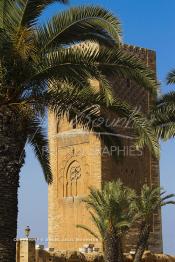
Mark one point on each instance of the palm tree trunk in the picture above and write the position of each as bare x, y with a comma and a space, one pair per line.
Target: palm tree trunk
113, 251
11, 160
142, 242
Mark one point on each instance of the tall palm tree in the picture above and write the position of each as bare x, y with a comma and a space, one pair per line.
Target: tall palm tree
150, 200
34, 56
112, 215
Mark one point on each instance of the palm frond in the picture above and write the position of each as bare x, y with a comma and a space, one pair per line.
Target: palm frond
69, 26
139, 123
165, 130
88, 230
75, 65
163, 116
95, 201
166, 98
99, 223
124, 225
39, 142
171, 77
118, 63
82, 107
91, 62
168, 203
104, 62
111, 206
87, 107
150, 200
9, 15
3, 5
167, 196
31, 10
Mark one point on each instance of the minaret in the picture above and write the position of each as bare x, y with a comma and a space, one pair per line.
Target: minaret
78, 161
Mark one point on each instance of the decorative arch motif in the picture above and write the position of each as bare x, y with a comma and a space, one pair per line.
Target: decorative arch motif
73, 174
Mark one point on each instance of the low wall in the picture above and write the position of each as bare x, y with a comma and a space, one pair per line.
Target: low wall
27, 251
44, 256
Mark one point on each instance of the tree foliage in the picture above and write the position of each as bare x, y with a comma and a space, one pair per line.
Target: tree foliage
49, 66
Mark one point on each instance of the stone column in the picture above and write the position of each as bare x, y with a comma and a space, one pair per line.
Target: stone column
25, 250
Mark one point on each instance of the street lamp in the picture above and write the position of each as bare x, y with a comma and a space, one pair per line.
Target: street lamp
27, 231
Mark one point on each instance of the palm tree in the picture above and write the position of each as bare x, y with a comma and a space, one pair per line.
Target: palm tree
150, 200
36, 56
112, 215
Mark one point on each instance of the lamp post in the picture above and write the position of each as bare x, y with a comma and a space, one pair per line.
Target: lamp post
27, 231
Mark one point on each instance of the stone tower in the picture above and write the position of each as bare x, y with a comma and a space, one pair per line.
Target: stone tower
79, 160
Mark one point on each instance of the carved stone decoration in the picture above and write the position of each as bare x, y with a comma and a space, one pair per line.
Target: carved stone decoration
73, 174
75, 171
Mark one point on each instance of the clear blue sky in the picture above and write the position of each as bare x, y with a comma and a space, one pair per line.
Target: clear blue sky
146, 23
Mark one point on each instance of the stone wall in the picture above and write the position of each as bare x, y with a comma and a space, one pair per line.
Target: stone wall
77, 257
71, 156
135, 167
26, 252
